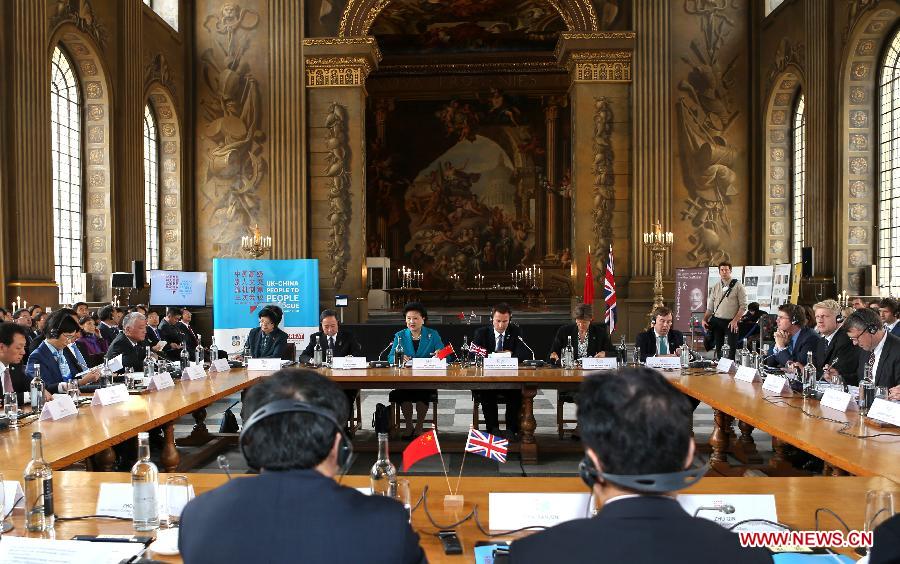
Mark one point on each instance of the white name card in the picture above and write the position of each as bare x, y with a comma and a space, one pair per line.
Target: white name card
220, 365
510, 511
885, 411
61, 406
745, 506
110, 395
837, 399
194, 372
117, 500
348, 362
264, 364
775, 383
430, 363
115, 363
602, 363
663, 362
501, 363
161, 381
746, 374
724, 365
13, 495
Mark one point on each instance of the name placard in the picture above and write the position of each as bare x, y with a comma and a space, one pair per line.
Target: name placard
510, 511
59, 407
837, 399
13, 495
500, 354
501, 363
110, 395
220, 365
885, 411
663, 362
746, 374
775, 383
728, 509
348, 362
115, 363
725, 365
194, 372
117, 500
161, 381
264, 364
602, 363
430, 363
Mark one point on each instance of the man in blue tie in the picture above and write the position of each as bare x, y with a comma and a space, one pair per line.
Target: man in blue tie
888, 309
793, 339
660, 339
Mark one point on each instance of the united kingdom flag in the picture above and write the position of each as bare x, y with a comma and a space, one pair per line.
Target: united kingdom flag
609, 293
487, 445
476, 350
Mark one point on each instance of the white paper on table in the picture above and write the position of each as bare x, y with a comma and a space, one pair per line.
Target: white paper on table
885, 411
663, 362
746, 506
838, 400
602, 363
348, 362
115, 363
500, 354
116, 500
264, 364
110, 395
13, 494
45, 551
501, 363
61, 406
508, 511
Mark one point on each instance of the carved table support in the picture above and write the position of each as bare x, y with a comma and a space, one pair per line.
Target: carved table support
169, 454
745, 448
200, 433
720, 438
779, 459
528, 424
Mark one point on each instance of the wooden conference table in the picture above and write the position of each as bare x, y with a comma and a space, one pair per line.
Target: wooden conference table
796, 501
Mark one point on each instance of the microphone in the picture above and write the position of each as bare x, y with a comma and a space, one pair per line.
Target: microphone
224, 465
382, 363
534, 363
726, 509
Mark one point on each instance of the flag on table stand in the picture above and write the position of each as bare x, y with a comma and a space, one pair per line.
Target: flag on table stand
588, 282
424, 446
486, 445
609, 293
445, 352
476, 350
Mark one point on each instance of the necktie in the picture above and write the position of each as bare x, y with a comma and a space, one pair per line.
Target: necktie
870, 364
330, 342
500, 342
663, 346
63, 365
7, 382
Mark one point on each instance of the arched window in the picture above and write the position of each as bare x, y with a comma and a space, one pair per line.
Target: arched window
798, 177
65, 124
889, 169
151, 188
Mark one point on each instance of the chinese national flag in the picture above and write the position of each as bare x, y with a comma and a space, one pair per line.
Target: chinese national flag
588, 282
423, 447
444, 352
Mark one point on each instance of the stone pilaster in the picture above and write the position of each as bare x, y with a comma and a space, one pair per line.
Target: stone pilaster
336, 71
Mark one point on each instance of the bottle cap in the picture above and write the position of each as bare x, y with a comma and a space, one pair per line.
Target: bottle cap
36, 435
143, 436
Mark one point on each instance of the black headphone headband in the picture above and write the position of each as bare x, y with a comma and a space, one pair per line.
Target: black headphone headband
644, 483
278, 407
57, 327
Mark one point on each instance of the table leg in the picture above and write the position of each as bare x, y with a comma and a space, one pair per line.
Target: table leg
720, 438
779, 459
169, 455
105, 460
200, 433
528, 447
745, 447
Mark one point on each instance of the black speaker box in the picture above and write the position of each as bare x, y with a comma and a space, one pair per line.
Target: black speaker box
806, 258
122, 280
139, 274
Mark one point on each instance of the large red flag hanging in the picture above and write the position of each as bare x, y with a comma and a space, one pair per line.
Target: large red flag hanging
588, 282
423, 447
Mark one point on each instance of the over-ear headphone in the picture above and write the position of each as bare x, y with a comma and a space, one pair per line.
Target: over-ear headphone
839, 318
54, 331
277, 407
872, 328
644, 483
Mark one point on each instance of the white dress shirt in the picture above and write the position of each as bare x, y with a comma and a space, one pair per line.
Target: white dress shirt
877, 353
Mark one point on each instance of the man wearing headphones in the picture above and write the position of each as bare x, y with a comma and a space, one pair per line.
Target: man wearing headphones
835, 355
331, 336
634, 477
888, 308
660, 339
57, 367
295, 510
881, 350
267, 340
793, 339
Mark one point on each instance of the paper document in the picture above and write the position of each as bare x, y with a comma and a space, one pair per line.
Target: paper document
23, 550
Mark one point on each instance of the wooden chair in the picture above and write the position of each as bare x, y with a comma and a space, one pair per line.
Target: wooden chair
396, 415
355, 422
563, 397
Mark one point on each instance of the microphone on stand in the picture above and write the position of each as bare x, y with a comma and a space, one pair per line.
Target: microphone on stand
382, 363
726, 509
224, 465
534, 363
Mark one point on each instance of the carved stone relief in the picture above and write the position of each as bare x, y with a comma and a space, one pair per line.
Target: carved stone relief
604, 178
339, 199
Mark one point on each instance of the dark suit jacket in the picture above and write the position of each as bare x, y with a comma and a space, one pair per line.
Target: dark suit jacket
598, 339
344, 344
153, 335
274, 346
806, 342
512, 341
846, 353
190, 339
170, 334
896, 329
20, 381
132, 355
50, 372
886, 544
646, 342
108, 333
637, 531
295, 516
888, 373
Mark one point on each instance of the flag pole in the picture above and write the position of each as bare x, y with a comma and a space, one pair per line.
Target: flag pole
461, 464
441, 454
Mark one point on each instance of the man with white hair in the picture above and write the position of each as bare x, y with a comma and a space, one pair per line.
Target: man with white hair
131, 342
834, 355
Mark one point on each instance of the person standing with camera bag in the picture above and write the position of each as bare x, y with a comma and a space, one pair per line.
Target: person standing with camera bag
727, 303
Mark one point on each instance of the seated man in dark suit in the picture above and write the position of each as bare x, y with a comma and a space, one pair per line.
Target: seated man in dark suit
12, 351
638, 522
295, 511
793, 339
496, 337
889, 309
58, 367
153, 320
190, 337
660, 339
267, 340
588, 338
879, 360
169, 332
834, 350
886, 542
131, 342
330, 336
109, 326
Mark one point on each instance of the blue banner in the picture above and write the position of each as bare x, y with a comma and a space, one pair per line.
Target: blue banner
241, 287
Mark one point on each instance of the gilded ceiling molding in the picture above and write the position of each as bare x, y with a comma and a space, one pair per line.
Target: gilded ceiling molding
473, 68
363, 40
607, 65
324, 72
593, 36
80, 13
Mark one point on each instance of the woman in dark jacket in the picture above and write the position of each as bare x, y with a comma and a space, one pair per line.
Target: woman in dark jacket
267, 340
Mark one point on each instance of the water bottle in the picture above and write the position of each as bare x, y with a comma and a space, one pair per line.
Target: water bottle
383, 476
246, 354
568, 355
213, 350
621, 352
149, 365
144, 488
37, 391
317, 352
726, 350
105, 374
185, 358
809, 377
199, 353
38, 476
398, 355
685, 356
329, 356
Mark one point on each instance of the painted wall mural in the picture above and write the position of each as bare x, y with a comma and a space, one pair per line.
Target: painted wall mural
453, 185
709, 125
232, 161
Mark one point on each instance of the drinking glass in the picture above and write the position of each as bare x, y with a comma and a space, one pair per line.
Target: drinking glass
178, 493
403, 496
866, 396
4, 525
881, 392
11, 409
72, 389
879, 508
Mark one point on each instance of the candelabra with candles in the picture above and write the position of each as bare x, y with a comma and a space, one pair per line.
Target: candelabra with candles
19, 304
409, 278
479, 280
256, 244
531, 277
843, 299
658, 242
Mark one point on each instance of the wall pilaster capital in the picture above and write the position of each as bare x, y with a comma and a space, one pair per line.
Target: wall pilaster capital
597, 57
339, 61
